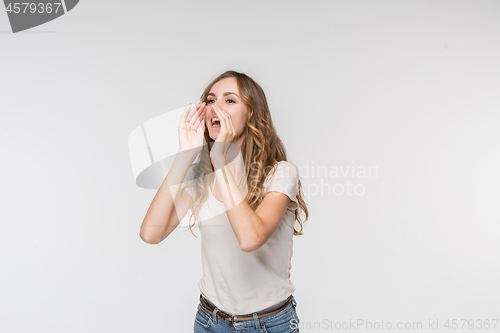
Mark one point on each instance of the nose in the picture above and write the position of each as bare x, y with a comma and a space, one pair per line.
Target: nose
217, 105
212, 108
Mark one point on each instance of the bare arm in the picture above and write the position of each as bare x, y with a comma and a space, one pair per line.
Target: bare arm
163, 215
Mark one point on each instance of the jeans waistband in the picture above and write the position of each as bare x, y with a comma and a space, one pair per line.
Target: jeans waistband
271, 308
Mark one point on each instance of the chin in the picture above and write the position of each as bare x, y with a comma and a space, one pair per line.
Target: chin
212, 135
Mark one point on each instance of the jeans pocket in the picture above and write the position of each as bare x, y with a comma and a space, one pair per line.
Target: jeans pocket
287, 323
202, 317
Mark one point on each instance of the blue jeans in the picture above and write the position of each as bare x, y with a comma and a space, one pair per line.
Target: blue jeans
284, 321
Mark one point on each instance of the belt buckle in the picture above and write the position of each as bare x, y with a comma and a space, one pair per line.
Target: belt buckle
225, 316
220, 314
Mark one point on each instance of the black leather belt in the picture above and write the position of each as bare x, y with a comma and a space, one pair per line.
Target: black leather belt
227, 317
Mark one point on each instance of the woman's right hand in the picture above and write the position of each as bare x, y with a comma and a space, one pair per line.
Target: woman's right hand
192, 128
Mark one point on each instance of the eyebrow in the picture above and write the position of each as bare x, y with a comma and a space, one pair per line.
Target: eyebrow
224, 94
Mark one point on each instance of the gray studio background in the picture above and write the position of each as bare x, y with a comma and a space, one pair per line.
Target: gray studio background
410, 88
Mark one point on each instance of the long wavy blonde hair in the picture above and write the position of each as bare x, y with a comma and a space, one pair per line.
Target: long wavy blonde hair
262, 149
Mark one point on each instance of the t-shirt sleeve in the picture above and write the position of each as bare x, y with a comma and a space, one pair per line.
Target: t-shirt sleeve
285, 180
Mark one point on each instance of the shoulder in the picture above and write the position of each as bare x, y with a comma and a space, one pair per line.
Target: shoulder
283, 164
283, 169
284, 178
286, 166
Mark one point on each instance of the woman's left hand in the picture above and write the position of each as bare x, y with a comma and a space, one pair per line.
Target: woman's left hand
225, 138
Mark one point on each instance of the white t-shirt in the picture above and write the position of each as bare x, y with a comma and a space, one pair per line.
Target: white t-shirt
240, 282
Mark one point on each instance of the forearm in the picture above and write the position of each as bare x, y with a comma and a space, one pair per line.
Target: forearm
157, 217
246, 224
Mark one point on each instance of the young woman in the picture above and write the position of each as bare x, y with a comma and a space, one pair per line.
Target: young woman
246, 198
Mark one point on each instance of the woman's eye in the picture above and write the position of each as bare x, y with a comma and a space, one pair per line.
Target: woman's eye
229, 100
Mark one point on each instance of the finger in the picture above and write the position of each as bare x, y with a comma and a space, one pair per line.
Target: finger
201, 126
222, 118
228, 121
184, 113
228, 117
191, 118
224, 127
221, 113
200, 113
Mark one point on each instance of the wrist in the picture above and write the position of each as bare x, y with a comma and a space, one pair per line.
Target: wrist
187, 155
219, 162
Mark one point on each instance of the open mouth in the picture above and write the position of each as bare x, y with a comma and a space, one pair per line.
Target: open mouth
215, 122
